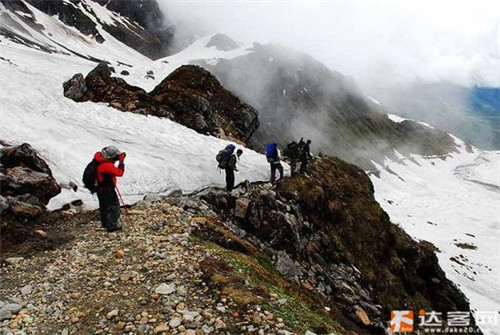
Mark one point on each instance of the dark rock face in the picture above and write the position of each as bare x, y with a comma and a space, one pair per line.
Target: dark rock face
327, 232
297, 96
190, 96
196, 98
70, 15
75, 88
14, 5
222, 42
154, 40
145, 30
27, 184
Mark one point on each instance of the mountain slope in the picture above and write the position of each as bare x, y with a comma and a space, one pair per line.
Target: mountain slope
162, 155
297, 96
80, 27
451, 201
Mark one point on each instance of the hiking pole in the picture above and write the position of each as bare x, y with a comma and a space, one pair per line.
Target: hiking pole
127, 215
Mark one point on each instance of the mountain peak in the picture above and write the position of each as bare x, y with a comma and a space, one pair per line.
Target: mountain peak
222, 42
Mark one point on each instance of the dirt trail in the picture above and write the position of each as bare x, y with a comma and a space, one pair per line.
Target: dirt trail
142, 281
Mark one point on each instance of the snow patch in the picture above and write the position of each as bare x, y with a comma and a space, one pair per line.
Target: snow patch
396, 118
161, 155
374, 100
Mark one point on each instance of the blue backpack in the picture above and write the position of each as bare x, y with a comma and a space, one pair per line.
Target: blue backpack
272, 152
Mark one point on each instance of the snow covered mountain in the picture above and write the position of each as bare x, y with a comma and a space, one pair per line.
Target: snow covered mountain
449, 195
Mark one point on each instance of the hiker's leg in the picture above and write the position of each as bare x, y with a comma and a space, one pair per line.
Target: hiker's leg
103, 210
114, 209
229, 179
303, 163
273, 173
280, 169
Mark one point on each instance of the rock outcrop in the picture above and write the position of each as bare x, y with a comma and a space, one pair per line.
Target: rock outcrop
327, 233
27, 183
190, 96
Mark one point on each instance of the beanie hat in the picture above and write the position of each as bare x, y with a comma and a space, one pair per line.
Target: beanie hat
110, 152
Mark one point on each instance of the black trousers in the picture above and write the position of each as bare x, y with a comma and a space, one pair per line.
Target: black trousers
294, 162
109, 207
303, 165
275, 166
229, 179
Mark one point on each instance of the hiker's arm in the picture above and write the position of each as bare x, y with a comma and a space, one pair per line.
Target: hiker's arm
113, 170
232, 163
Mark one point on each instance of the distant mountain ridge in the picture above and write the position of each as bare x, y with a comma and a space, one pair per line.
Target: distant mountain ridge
297, 96
137, 23
472, 114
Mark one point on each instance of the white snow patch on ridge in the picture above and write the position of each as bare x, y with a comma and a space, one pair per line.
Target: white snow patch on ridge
396, 118
399, 119
375, 101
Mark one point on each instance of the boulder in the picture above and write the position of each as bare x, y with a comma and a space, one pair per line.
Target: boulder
287, 267
22, 209
22, 180
362, 317
75, 88
23, 155
27, 182
241, 207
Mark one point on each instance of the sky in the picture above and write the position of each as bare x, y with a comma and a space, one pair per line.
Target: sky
375, 42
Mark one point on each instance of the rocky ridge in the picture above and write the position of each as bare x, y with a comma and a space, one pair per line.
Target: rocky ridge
310, 255
190, 96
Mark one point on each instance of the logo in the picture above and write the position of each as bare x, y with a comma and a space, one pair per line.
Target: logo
402, 321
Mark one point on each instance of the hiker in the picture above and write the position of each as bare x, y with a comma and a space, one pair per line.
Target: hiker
292, 152
109, 206
305, 156
273, 155
227, 162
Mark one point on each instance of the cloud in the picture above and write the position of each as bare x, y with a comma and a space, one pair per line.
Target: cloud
376, 42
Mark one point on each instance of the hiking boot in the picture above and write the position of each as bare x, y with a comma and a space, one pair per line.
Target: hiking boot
115, 228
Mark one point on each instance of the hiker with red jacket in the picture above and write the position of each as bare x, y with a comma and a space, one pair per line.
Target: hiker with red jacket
109, 206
